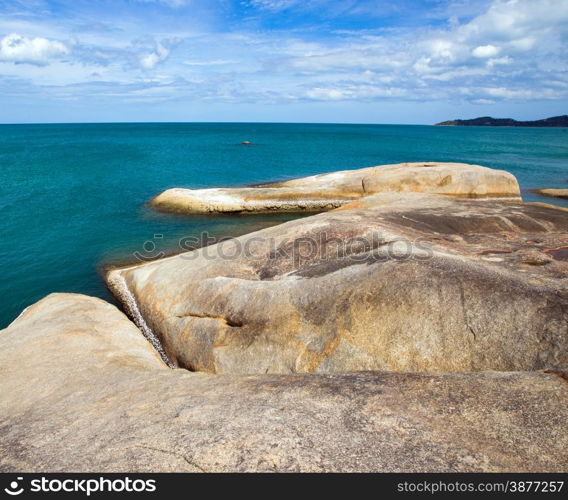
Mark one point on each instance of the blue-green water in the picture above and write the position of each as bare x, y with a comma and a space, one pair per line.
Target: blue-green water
73, 196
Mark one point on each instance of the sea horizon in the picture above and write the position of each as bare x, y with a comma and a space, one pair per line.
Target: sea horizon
245, 122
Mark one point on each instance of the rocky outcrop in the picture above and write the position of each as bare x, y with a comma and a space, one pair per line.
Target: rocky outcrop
389, 282
327, 191
82, 390
555, 193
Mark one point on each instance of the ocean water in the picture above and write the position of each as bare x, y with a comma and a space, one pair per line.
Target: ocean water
73, 197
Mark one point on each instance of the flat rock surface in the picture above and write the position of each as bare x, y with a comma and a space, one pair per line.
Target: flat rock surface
555, 193
389, 282
327, 191
82, 390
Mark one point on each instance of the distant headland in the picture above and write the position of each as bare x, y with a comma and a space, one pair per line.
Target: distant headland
487, 121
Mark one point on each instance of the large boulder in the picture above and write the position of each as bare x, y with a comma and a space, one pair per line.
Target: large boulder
326, 191
82, 390
390, 282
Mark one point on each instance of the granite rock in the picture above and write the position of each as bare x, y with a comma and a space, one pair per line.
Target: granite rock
389, 282
82, 391
326, 191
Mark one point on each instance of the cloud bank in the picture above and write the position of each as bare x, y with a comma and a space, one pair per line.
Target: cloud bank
280, 52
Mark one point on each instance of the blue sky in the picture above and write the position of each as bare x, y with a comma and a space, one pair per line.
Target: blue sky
367, 61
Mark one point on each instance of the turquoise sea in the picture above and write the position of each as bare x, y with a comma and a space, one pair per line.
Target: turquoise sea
73, 196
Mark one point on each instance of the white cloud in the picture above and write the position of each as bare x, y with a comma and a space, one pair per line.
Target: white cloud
511, 18
509, 93
485, 51
39, 51
523, 44
499, 61
213, 62
352, 90
168, 3
326, 94
443, 49
274, 5
150, 60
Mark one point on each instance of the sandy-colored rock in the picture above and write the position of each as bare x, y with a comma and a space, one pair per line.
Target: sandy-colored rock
327, 191
555, 193
81, 390
390, 282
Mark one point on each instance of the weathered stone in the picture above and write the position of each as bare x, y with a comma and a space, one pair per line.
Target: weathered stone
555, 193
326, 191
389, 282
82, 390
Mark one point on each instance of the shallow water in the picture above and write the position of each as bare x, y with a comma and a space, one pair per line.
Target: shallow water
73, 196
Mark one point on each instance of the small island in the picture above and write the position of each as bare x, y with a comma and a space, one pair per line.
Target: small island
488, 121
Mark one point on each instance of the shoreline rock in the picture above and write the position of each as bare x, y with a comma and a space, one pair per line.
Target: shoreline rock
472, 294
327, 191
82, 390
478, 286
553, 192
